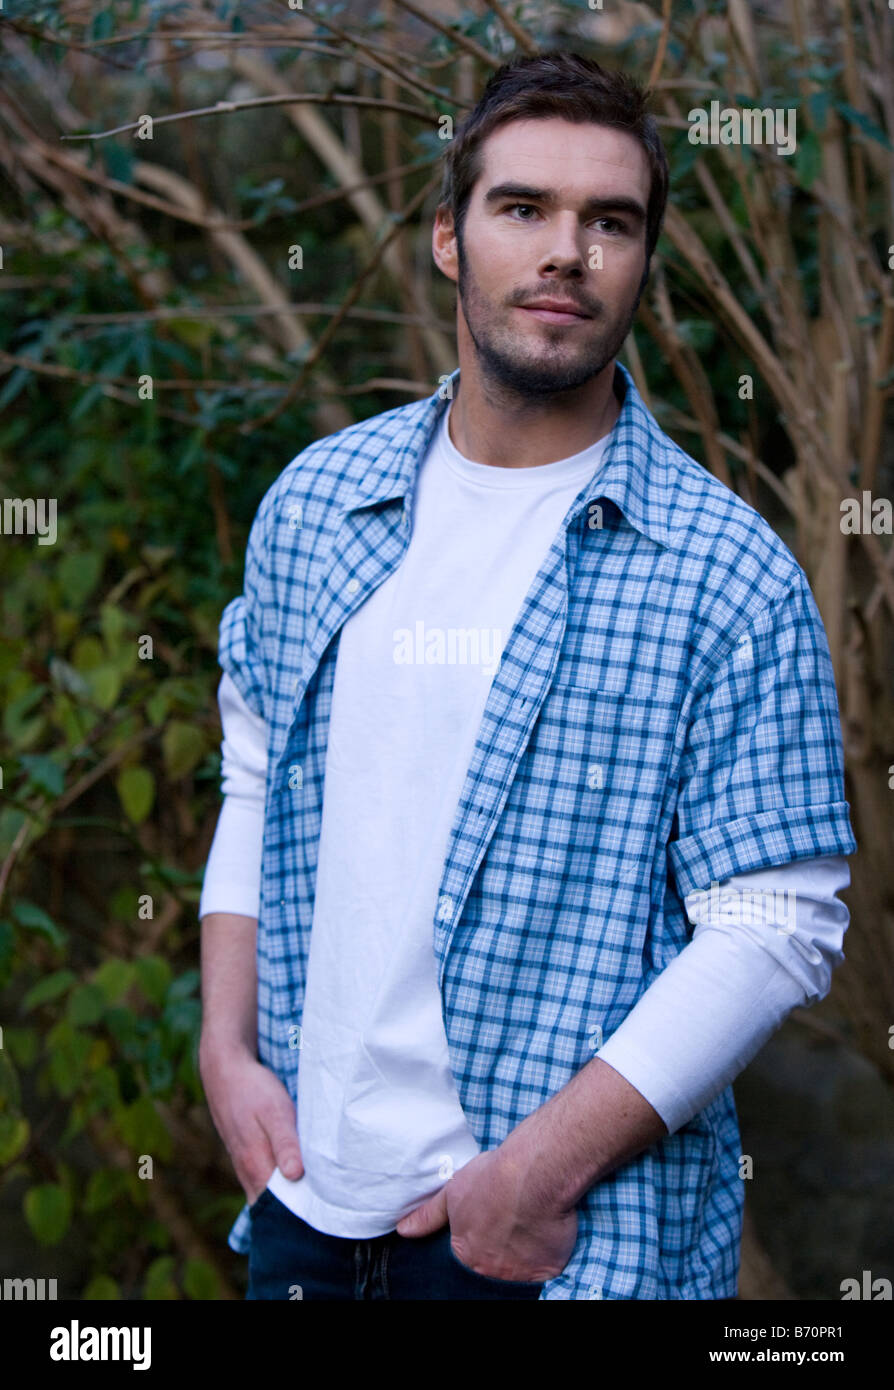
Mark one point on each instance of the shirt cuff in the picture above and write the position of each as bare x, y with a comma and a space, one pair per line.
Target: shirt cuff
767, 838
765, 943
699, 1023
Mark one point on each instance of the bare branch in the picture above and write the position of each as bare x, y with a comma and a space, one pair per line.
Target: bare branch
224, 107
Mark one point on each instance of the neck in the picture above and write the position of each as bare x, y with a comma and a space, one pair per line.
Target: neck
507, 431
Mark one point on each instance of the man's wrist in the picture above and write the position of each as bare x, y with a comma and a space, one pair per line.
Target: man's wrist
554, 1176
595, 1123
220, 1046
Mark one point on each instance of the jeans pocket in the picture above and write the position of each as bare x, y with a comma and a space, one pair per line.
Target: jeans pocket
260, 1201
491, 1278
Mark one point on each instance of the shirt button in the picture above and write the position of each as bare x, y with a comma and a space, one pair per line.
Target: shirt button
353, 586
445, 909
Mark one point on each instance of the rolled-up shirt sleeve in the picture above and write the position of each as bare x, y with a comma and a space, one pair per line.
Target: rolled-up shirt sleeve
756, 851
761, 774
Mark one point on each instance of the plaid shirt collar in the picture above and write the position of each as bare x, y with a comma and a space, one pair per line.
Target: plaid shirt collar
634, 474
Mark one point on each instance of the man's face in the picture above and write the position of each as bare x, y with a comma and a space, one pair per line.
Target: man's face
553, 199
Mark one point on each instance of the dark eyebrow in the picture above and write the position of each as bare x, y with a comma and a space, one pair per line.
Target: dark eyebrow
522, 194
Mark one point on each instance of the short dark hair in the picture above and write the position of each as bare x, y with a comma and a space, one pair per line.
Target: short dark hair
555, 83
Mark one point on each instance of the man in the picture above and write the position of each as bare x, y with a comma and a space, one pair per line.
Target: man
537, 724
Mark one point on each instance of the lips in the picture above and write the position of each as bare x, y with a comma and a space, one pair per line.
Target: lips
551, 315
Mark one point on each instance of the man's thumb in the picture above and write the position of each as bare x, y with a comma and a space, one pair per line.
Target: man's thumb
290, 1165
287, 1152
431, 1216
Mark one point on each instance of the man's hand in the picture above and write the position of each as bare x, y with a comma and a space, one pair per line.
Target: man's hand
499, 1226
513, 1210
254, 1115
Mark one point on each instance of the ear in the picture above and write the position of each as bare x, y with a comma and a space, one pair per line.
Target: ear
443, 243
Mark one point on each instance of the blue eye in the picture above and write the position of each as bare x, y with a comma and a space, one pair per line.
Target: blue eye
610, 225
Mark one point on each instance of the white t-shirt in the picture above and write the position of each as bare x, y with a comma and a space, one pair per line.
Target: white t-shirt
378, 1116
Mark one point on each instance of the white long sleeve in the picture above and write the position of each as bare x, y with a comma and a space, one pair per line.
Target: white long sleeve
764, 943
232, 880
713, 1008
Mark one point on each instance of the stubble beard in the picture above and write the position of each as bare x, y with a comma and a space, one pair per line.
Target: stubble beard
515, 378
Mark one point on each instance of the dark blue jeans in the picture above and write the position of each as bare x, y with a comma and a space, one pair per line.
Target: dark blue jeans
291, 1260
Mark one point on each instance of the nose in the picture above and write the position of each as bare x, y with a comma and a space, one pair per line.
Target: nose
565, 246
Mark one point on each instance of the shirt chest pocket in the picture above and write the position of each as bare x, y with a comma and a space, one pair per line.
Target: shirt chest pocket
593, 779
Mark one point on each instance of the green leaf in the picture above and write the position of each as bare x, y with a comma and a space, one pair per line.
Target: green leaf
86, 1005
183, 1016
88, 398
864, 123
183, 747
171, 875
102, 1287
123, 1025
19, 378
102, 25
136, 790
18, 726
7, 947
185, 985
124, 903
197, 335
88, 653
68, 1051
48, 1212
23, 1044
114, 978
105, 684
143, 1130
157, 707
49, 988
154, 977
113, 623
808, 159
699, 333
118, 161
77, 1115
818, 104
159, 1071
102, 1092
10, 1090
33, 918
14, 1135
159, 1279
44, 773
200, 1280
104, 1187
79, 575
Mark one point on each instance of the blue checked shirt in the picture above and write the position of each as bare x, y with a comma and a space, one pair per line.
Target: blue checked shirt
664, 716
